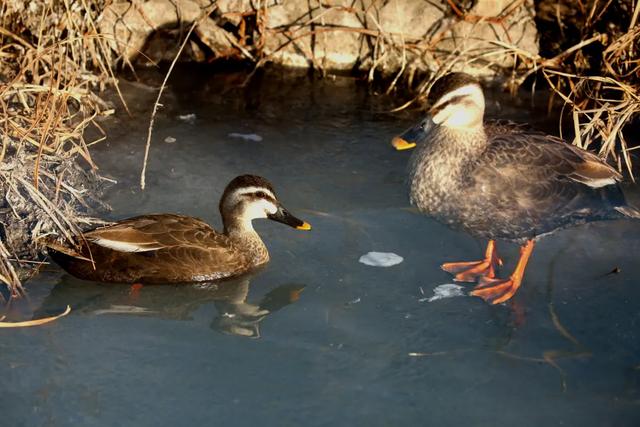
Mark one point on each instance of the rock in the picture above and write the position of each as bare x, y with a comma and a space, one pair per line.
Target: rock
392, 35
216, 38
232, 10
340, 35
129, 25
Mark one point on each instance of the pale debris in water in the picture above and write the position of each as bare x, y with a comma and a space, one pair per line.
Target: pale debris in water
352, 302
170, 140
448, 290
381, 259
189, 118
124, 309
246, 136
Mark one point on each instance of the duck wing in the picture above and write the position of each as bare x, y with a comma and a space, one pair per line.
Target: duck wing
139, 234
154, 232
514, 150
162, 248
526, 184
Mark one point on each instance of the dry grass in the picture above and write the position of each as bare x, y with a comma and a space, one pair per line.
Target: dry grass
597, 78
48, 86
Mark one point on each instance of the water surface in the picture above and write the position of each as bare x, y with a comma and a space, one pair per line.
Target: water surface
317, 338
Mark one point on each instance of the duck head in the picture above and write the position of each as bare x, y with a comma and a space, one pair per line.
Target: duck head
457, 103
249, 197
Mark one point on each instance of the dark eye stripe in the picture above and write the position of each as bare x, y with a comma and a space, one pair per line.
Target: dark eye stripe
261, 195
444, 105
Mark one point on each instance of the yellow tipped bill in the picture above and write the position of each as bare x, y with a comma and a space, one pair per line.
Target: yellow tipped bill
305, 226
401, 144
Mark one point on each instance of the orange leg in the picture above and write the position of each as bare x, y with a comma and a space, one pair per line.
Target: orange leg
134, 290
497, 291
470, 271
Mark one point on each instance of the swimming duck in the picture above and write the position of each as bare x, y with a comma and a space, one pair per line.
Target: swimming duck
500, 180
169, 248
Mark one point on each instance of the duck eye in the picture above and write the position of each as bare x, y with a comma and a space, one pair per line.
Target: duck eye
261, 194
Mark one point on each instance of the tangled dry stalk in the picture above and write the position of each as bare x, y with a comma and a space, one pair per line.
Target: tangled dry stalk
48, 86
597, 77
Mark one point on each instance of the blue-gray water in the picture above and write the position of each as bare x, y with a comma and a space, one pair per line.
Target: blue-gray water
335, 342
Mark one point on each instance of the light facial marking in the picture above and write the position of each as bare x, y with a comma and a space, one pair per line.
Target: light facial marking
238, 195
463, 107
472, 90
259, 208
250, 190
253, 207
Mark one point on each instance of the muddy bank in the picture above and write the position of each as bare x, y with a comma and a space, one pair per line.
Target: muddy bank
53, 67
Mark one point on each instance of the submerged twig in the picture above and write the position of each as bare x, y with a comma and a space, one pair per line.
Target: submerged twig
34, 322
157, 104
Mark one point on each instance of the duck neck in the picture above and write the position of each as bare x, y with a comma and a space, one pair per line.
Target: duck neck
240, 231
437, 166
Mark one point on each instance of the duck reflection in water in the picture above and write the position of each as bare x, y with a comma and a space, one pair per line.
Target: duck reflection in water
235, 315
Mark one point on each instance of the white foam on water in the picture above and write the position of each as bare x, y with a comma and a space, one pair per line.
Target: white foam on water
124, 309
381, 259
189, 118
448, 290
246, 136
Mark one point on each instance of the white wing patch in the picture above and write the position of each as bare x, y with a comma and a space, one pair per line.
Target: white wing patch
125, 246
597, 183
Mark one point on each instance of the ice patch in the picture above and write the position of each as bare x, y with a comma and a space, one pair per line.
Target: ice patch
189, 118
246, 136
124, 309
381, 259
448, 290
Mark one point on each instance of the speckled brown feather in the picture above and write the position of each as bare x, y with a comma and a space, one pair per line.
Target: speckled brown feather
186, 249
505, 181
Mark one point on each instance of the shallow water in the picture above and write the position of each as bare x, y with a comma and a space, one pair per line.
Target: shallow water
316, 337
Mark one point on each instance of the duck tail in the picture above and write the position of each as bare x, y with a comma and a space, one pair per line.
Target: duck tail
617, 201
56, 250
628, 211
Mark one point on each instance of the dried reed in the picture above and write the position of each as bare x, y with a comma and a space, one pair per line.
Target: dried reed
597, 78
48, 85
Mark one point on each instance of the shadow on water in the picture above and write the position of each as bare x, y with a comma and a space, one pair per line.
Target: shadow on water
235, 315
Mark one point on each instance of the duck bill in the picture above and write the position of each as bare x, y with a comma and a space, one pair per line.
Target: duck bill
282, 215
412, 136
402, 144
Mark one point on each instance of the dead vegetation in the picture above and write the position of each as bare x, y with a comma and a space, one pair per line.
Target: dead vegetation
589, 60
52, 64
598, 77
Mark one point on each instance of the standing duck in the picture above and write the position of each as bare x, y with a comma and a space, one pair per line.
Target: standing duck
168, 248
501, 181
